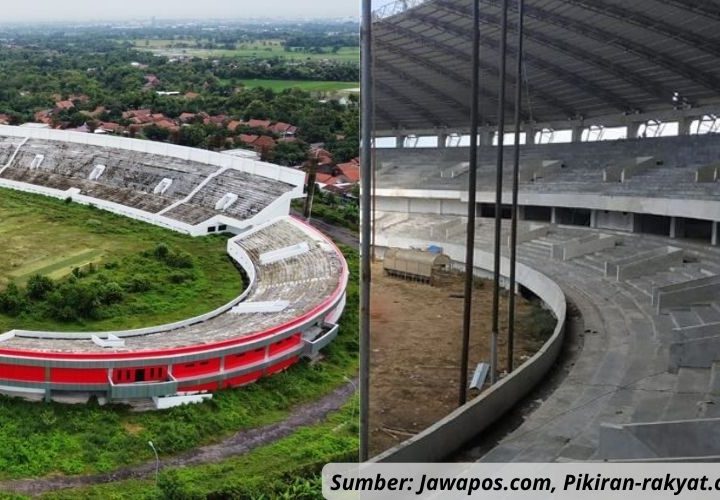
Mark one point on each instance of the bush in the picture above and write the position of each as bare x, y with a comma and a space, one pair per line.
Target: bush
180, 259
161, 251
39, 286
12, 301
138, 283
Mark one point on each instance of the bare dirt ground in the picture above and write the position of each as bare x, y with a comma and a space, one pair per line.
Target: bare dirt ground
416, 344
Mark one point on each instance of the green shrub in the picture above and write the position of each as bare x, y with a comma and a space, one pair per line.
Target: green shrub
12, 301
39, 286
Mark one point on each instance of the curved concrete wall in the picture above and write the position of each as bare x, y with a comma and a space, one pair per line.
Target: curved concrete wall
449, 434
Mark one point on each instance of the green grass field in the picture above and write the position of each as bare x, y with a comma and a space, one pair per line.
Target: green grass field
271, 48
50, 237
308, 86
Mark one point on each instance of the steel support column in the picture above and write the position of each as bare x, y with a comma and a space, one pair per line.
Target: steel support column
472, 192
502, 63
515, 186
366, 115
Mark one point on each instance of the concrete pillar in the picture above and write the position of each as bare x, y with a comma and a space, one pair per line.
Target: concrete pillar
577, 133
521, 212
677, 227
593, 219
486, 136
635, 225
553, 215
442, 140
715, 237
530, 136
633, 129
400, 141
684, 125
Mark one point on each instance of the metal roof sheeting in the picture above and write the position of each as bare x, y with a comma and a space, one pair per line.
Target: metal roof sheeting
583, 59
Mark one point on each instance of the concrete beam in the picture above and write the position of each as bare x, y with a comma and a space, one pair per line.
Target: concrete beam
624, 171
643, 263
612, 120
581, 246
530, 172
530, 234
686, 293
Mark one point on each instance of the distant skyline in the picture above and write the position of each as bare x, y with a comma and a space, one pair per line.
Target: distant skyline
96, 10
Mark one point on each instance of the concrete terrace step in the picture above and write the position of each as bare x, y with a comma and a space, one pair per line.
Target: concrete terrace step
707, 313
689, 393
682, 318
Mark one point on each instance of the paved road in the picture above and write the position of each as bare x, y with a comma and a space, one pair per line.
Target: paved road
339, 234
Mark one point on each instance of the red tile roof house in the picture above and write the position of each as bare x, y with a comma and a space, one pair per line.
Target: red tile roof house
44, 116
264, 142
284, 129
233, 125
136, 112
167, 124
248, 139
262, 124
187, 117
111, 127
152, 81
351, 170
64, 105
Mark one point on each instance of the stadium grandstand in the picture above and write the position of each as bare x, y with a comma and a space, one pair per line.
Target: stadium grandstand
594, 183
295, 276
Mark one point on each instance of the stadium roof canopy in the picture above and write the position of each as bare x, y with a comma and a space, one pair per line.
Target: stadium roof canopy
586, 61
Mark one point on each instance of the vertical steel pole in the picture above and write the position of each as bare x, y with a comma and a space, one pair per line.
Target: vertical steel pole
472, 191
366, 117
502, 63
516, 173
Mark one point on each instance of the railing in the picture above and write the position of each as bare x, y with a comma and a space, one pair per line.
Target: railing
394, 8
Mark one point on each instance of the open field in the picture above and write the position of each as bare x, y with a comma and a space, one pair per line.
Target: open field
416, 347
50, 237
306, 85
269, 48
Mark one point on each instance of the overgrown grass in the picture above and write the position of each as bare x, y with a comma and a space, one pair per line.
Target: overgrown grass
308, 86
268, 49
51, 237
40, 439
288, 468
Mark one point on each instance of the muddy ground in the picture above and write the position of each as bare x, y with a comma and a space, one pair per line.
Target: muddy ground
416, 343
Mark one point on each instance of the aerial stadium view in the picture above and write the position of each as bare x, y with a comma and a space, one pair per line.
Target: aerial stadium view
567, 151
168, 307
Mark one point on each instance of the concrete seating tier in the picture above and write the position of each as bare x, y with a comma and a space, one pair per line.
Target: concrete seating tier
254, 194
131, 178
623, 373
304, 281
582, 170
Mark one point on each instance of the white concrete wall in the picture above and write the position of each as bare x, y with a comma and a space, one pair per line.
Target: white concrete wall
397, 200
